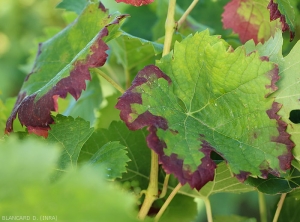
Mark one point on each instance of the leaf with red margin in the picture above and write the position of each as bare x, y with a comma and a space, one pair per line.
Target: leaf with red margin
284, 11
136, 2
62, 66
250, 19
213, 99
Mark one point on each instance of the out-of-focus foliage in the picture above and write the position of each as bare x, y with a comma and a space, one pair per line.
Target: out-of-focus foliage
22, 21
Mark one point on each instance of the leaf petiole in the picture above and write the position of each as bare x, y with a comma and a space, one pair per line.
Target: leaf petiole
152, 191
167, 202
208, 209
279, 207
170, 26
262, 207
165, 186
110, 80
186, 13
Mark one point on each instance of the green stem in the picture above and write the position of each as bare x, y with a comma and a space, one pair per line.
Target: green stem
262, 207
186, 13
169, 27
208, 209
167, 202
165, 186
110, 80
111, 73
279, 207
152, 191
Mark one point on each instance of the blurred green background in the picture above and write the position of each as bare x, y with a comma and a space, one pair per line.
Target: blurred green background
21, 23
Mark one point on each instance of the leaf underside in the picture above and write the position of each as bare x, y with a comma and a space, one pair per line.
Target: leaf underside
211, 99
62, 66
249, 19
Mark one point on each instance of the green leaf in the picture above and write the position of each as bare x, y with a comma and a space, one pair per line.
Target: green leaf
135, 53
224, 182
25, 168
288, 96
138, 168
272, 49
207, 79
62, 66
276, 185
288, 14
71, 134
112, 155
233, 218
74, 6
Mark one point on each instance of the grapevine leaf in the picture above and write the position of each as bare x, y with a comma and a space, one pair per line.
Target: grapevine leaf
136, 2
132, 51
62, 66
74, 6
206, 79
289, 96
112, 155
284, 11
271, 48
249, 19
71, 134
25, 168
276, 185
224, 182
88, 103
138, 152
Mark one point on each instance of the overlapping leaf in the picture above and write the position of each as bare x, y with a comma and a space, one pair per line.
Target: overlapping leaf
276, 185
213, 99
250, 19
224, 182
289, 95
74, 6
88, 103
70, 134
138, 152
62, 66
135, 53
112, 156
284, 11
